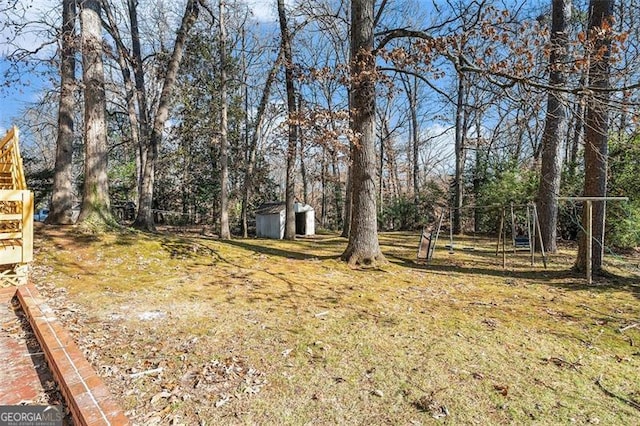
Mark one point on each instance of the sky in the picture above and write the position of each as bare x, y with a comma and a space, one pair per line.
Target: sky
16, 98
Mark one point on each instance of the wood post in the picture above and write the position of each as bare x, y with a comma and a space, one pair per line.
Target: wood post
589, 227
532, 249
589, 207
500, 232
531, 243
513, 229
504, 237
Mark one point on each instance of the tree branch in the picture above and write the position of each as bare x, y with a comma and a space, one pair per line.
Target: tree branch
421, 78
399, 33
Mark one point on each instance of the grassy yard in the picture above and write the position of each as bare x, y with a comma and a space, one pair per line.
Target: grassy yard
191, 330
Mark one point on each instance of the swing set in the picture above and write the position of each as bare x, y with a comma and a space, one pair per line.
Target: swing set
524, 232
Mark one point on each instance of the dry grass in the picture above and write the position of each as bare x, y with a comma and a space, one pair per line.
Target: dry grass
194, 330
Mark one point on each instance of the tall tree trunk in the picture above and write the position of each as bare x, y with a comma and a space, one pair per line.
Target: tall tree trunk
290, 223
348, 203
62, 198
522, 128
578, 130
95, 196
141, 95
348, 193
392, 166
596, 133
336, 183
384, 134
458, 183
323, 185
363, 247
225, 234
415, 140
413, 106
244, 226
144, 219
555, 128
303, 168
185, 186
129, 86
255, 138
479, 171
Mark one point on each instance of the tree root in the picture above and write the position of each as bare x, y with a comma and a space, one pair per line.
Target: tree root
360, 260
629, 402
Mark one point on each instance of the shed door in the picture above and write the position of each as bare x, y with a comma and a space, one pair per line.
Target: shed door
301, 223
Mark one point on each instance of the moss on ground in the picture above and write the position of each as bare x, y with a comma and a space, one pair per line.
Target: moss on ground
281, 332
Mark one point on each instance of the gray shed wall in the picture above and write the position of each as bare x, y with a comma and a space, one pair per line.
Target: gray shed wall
270, 225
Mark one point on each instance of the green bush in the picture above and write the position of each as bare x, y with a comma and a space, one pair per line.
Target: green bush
623, 219
517, 186
623, 224
406, 213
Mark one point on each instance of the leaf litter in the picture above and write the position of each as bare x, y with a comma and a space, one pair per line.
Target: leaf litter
180, 367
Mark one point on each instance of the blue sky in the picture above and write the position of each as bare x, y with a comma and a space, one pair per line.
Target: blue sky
15, 98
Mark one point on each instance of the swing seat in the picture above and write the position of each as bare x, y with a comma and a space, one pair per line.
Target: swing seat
522, 243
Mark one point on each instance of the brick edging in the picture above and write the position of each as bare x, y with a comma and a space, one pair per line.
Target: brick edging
86, 395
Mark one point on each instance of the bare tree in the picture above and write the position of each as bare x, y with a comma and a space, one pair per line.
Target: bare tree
141, 93
144, 219
225, 234
290, 222
125, 62
410, 84
597, 129
363, 247
555, 128
460, 136
62, 197
255, 138
95, 197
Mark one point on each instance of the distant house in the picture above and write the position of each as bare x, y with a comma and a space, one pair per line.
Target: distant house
271, 217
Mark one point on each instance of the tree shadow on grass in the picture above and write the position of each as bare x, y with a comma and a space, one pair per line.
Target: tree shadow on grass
50, 233
605, 283
75, 236
272, 251
567, 279
297, 290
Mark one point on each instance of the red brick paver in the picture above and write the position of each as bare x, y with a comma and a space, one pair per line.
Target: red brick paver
19, 380
85, 394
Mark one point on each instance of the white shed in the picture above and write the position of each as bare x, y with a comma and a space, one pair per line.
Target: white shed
305, 219
271, 218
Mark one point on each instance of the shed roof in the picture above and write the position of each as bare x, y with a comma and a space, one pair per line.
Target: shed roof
270, 208
275, 207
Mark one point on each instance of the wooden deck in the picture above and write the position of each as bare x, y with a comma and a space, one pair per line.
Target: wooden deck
16, 214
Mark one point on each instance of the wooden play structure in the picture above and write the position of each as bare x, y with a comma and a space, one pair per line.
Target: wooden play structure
525, 232
523, 236
16, 214
429, 239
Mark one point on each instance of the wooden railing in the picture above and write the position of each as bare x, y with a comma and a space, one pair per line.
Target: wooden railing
11, 161
16, 212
